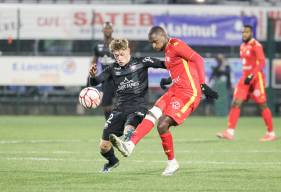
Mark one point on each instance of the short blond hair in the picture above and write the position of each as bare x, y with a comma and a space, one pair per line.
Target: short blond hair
118, 44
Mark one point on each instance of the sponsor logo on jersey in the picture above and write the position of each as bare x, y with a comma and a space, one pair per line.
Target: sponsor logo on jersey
127, 84
177, 79
147, 59
117, 68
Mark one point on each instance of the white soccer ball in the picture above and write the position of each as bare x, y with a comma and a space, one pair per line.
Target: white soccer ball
90, 98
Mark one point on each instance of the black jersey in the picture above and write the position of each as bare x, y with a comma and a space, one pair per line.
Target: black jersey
103, 55
130, 81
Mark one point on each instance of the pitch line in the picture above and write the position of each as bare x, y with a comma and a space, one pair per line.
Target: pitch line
35, 141
141, 161
39, 141
140, 151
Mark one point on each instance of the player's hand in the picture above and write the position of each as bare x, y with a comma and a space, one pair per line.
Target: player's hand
164, 82
248, 79
93, 70
208, 92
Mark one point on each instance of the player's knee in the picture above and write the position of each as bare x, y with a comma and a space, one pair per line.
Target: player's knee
105, 146
236, 103
163, 126
262, 106
154, 114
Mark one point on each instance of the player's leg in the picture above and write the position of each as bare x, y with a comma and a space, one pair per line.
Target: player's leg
233, 117
178, 109
167, 143
163, 128
126, 148
259, 96
133, 120
128, 132
107, 151
239, 96
107, 99
267, 117
114, 124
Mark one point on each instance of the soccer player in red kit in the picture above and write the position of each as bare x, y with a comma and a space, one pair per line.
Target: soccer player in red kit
250, 86
186, 68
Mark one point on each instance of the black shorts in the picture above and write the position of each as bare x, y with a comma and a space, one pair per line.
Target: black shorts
118, 120
108, 90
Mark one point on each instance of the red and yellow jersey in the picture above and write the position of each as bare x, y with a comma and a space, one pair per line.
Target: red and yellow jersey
252, 56
186, 67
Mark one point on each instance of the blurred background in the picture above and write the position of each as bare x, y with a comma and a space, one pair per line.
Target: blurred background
46, 47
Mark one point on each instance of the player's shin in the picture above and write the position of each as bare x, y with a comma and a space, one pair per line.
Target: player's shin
267, 117
128, 132
147, 124
167, 144
110, 156
233, 117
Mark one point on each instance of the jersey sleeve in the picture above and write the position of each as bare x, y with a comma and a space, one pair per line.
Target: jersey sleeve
187, 53
153, 62
103, 76
260, 58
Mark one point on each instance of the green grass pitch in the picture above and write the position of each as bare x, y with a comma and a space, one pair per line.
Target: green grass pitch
61, 154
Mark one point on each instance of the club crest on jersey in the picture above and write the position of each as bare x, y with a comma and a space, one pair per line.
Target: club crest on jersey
147, 59
175, 104
257, 93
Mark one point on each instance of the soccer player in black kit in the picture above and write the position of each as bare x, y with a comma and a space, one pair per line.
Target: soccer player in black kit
103, 56
130, 78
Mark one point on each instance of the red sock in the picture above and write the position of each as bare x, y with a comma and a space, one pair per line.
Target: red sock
143, 128
168, 146
233, 117
267, 117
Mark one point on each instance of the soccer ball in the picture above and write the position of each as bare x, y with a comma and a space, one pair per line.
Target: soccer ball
90, 98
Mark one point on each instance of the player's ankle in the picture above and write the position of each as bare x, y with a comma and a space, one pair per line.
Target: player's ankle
230, 131
172, 160
271, 133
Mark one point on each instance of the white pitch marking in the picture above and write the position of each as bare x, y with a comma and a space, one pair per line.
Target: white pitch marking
142, 161
139, 151
78, 141
39, 141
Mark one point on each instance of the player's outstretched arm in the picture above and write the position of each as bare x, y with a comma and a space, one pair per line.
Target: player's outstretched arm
208, 92
95, 79
153, 62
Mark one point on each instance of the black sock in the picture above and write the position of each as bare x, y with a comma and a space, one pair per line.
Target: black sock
106, 114
109, 155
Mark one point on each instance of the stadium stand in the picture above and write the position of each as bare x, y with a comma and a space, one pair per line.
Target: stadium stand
227, 2
53, 47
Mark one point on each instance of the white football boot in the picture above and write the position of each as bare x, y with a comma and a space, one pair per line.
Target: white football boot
125, 148
172, 167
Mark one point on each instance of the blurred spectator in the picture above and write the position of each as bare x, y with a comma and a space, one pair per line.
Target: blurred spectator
220, 80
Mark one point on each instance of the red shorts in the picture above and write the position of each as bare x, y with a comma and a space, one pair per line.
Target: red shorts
255, 90
178, 105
